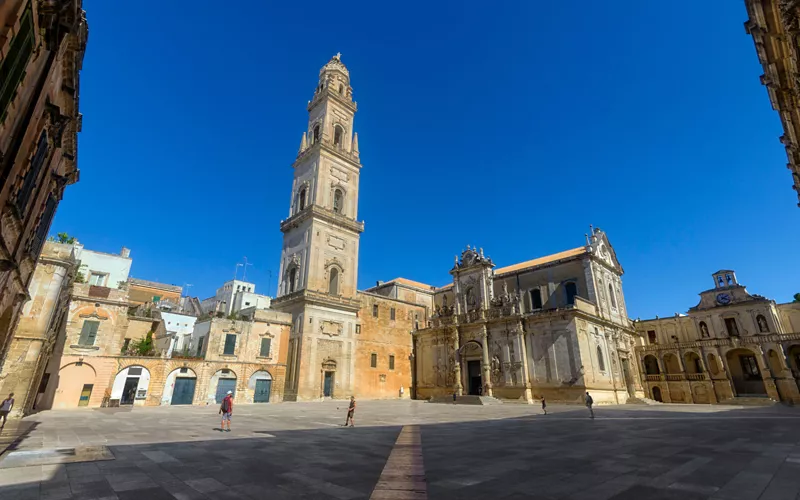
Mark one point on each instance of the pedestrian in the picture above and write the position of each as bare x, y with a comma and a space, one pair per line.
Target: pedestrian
455, 394
350, 412
544, 405
589, 403
5, 408
226, 409
401, 392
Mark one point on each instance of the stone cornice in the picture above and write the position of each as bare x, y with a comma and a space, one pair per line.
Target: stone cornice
326, 145
318, 298
318, 212
320, 97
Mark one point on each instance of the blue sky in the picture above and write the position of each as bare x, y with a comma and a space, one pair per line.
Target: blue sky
511, 126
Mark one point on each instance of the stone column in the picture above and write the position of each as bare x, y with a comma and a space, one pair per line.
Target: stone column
487, 374
457, 387
526, 379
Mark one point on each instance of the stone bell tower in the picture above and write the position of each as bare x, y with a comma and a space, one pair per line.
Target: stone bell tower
318, 276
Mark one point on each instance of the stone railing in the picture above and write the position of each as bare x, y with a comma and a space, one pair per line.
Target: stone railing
654, 378
769, 338
674, 377
696, 376
324, 213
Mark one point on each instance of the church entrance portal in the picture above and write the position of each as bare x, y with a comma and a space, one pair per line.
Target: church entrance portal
328, 385
474, 377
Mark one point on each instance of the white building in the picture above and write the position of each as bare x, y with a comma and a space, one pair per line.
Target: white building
179, 327
234, 296
104, 269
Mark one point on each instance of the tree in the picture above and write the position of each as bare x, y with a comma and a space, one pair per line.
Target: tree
64, 238
797, 297
143, 347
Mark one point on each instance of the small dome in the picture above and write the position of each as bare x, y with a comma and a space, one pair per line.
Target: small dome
335, 64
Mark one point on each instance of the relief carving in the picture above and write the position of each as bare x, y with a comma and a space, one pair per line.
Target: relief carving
331, 328
340, 175
335, 242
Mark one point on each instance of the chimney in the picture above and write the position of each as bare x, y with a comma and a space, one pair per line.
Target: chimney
125, 252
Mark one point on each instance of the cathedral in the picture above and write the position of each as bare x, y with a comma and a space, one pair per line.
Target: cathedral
550, 327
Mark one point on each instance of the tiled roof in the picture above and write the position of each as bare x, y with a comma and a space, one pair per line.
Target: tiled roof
413, 283
541, 260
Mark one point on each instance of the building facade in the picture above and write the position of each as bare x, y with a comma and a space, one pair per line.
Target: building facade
144, 292
732, 344
552, 327
42, 322
775, 28
41, 52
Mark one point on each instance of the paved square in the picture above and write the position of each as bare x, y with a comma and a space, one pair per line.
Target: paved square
411, 450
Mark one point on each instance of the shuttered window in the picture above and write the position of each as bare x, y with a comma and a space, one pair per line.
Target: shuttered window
391, 362
230, 343
32, 174
373, 360
44, 227
265, 345
88, 332
12, 67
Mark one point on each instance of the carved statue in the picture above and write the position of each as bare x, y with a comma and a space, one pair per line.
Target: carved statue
762, 324
703, 330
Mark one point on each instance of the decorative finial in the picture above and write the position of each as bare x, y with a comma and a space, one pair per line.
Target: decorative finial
338, 56
591, 229
355, 144
303, 143
481, 252
467, 247
586, 235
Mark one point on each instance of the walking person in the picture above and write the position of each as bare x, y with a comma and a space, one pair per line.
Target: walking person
544, 405
226, 409
350, 412
589, 403
5, 408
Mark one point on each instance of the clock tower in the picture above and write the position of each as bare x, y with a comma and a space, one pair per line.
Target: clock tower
318, 275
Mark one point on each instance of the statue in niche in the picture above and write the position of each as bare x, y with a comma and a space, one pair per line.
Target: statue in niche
703, 330
762, 324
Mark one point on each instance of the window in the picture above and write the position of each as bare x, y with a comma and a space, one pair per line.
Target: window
611, 296
126, 345
651, 337
247, 303
338, 136
134, 370
43, 227
358, 328
536, 299
292, 279
750, 367
375, 310
15, 62
265, 345
373, 360
200, 346
32, 175
230, 344
571, 290
391, 361
338, 201
184, 370
333, 282
391, 314
301, 199
341, 89
315, 135
88, 332
98, 279
601, 363
730, 324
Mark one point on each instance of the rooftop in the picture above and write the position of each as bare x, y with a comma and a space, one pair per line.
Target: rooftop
542, 260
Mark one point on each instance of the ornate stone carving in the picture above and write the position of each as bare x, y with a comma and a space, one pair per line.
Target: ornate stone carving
331, 328
335, 242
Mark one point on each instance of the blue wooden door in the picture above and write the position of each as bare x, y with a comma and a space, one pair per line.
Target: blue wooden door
327, 388
263, 388
225, 385
183, 393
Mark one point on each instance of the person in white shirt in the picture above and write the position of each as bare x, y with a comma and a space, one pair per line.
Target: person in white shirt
5, 408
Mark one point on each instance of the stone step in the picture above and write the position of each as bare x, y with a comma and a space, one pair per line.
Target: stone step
642, 401
466, 400
749, 401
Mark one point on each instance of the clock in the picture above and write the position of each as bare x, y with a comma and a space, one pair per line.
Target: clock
723, 299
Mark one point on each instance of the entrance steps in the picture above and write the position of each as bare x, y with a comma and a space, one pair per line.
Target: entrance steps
642, 401
749, 401
467, 400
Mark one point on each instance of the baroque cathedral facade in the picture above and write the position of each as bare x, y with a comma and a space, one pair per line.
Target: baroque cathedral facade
556, 326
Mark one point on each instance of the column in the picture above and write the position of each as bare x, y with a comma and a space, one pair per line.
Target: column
526, 379
457, 387
487, 375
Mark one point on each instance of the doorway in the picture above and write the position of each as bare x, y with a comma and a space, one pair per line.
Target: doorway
86, 393
474, 377
223, 386
263, 388
626, 373
657, 394
183, 393
129, 391
745, 373
327, 386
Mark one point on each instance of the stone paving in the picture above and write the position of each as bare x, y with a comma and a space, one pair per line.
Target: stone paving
300, 450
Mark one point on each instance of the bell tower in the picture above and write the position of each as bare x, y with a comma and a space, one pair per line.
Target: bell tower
318, 275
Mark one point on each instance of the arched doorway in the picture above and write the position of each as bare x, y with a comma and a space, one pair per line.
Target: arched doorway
180, 387
745, 373
131, 385
471, 353
657, 394
693, 363
221, 382
260, 384
671, 364
75, 385
651, 365
328, 378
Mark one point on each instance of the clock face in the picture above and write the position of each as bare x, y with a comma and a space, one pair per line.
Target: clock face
723, 298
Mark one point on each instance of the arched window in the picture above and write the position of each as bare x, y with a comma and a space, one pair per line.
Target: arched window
341, 89
601, 363
315, 136
292, 279
338, 200
763, 326
611, 296
301, 199
536, 299
703, 330
333, 282
338, 136
572, 290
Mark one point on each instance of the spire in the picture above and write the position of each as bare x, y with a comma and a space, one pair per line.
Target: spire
303, 143
355, 144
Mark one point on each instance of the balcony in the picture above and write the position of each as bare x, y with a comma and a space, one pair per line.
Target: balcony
316, 211
696, 377
674, 377
736, 341
654, 378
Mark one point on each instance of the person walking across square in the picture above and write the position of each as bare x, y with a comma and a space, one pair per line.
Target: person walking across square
544, 405
589, 403
226, 409
5, 408
351, 410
